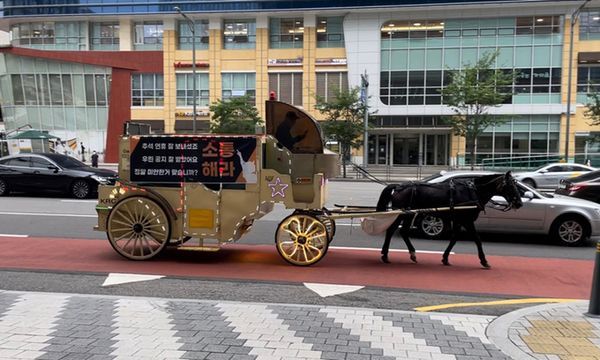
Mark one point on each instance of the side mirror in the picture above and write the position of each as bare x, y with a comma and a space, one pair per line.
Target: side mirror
52, 167
528, 195
543, 171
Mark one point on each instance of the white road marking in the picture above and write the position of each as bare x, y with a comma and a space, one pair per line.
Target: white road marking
79, 201
47, 214
144, 330
391, 250
33, 317
265, 333
325, 290
118, 278
14, 235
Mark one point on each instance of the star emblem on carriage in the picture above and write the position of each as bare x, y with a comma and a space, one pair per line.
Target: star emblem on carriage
278, 188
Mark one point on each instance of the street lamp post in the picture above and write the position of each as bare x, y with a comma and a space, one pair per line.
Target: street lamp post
192, 25
364, 94
574, 18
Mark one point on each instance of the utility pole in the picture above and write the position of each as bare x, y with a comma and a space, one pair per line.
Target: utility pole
192, 25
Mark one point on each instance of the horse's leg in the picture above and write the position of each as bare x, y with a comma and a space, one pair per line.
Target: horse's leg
470, 226
388, 238
405, 235
454, 233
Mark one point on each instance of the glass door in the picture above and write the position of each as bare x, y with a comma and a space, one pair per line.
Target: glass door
406, 150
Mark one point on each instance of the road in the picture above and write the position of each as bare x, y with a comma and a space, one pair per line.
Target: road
43, 216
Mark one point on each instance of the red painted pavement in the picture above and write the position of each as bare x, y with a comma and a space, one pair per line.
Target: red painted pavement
510, 275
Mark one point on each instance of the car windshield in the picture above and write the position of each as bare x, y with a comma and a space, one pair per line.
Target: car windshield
66, 161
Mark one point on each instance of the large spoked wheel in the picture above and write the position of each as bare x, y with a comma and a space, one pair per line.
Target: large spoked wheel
301, 239
138, 228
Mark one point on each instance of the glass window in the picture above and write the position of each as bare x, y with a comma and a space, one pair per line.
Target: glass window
147, 90
17, 89
330, 32
238, 84
37, 162
287, 86
148, 35
186, 38
286, 33
589, 25
185, 89
104, 36
239, 34
330, 82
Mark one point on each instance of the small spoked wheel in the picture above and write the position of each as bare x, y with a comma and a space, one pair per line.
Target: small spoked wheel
138, 228
329, 226
301, 239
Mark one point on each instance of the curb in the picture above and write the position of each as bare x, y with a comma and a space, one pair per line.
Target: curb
497, 330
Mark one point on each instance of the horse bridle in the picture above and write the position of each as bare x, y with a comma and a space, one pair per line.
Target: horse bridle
499, 188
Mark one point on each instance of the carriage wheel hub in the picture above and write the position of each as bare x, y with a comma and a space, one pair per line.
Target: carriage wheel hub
138, 228
301, 240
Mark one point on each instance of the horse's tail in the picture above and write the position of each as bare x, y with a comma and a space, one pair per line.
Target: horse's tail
385, 197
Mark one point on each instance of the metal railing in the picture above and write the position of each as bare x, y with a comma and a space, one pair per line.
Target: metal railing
519, 162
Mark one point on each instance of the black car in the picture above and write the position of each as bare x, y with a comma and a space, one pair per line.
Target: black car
586, 186
51, 172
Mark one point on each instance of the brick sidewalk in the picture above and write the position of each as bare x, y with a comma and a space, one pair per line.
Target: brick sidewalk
63, 326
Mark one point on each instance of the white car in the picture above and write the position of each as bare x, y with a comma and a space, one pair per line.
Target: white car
567, 220
549, 176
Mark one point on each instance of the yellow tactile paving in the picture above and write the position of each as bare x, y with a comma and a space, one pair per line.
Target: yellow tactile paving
570, 340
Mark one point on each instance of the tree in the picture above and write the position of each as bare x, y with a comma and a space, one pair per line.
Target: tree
344, 120
593, 107
234, 116
471, 93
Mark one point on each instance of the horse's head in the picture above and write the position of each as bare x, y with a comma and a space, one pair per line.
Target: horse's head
507, 188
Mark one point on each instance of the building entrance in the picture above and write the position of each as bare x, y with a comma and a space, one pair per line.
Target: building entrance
408, 149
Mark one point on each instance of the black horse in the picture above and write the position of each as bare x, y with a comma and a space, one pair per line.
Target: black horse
476, 192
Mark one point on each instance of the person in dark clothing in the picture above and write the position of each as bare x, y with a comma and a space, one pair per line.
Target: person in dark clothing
82, 152
95, 159
284, 131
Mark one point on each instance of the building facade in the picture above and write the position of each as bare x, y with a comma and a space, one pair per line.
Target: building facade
81, 70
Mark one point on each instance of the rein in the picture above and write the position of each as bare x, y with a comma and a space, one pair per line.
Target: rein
506, 207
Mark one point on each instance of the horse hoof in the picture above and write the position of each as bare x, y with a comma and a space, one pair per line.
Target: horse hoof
384, 258
485, 265
413, 257
445, 262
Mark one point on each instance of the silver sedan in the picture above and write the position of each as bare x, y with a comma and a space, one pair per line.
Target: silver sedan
549, 176
567, 220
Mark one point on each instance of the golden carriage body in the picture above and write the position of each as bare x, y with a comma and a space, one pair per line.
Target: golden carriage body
209, 189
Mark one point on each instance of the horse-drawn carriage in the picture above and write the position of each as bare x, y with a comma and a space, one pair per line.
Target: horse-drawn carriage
175, 188
211, 188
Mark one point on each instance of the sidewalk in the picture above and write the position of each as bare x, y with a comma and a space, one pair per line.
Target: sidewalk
65, 326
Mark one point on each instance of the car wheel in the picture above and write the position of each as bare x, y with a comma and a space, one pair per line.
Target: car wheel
3, 187
570, 230
432, 226
81, 189
529, 183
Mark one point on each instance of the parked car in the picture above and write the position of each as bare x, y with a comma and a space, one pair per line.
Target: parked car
569, 221
51, 172
586, 186
549, 176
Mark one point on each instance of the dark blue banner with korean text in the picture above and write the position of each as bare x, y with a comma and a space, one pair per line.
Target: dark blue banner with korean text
172, 159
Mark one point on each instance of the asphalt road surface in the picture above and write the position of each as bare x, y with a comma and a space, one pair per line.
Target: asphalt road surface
61, 217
